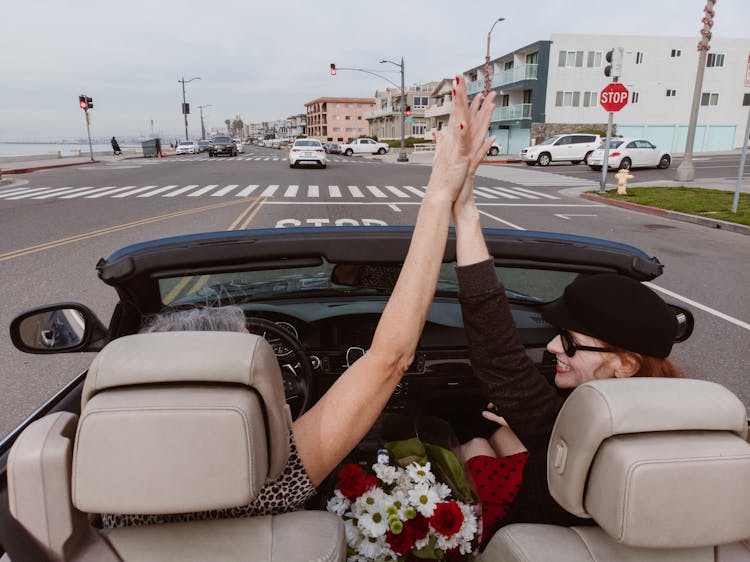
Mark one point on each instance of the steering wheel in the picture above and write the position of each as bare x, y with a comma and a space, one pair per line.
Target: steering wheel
296, 367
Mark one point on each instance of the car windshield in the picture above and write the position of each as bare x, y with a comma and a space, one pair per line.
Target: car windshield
222, 139
186, 143
549, 140
525, 285
307, 143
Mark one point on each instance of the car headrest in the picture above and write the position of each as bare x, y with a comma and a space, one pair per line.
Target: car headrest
178, 422
639, 455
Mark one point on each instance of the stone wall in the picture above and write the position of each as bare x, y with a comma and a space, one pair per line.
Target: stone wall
541, 131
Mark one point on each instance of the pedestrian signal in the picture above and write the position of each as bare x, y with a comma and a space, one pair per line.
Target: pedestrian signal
82, 102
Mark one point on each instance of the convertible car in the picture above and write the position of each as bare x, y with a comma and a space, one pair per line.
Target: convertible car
316, 296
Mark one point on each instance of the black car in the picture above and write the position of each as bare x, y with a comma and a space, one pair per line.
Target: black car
222, 145
316, 295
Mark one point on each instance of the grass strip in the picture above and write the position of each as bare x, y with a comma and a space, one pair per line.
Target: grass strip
709, 203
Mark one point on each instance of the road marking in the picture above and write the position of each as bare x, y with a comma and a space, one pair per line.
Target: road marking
478, 191
249, 219
247, 191
202, 190
547, 195
702, 307
57, 193
376, 192
18, 190
413, 190
103, 193
134, 191
84, 193
313, 191
242, 215
291, 191
109, 230
567, 217
26, 192
224, 190
181, 190
334, 191
397, 192
394, 208
354, 190
269, 191
157, 191
498, 219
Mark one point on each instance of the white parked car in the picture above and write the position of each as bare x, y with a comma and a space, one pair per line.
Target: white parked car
187, 147
239, 144
630, 153
495, 149
573, 147
364, 146
307, 151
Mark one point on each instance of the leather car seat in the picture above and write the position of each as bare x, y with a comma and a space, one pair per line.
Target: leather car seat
171, 422
663, 467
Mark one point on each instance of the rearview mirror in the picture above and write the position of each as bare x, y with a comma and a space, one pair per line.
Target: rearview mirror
58, 328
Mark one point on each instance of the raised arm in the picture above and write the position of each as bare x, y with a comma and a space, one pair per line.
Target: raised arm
337, 422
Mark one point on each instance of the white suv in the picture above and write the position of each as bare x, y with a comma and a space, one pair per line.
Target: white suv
364, 146
307, 151
574, 148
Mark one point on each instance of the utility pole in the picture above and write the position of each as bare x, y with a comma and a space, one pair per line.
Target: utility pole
185, 106
686, 170
487, 65
203, 127
402, 153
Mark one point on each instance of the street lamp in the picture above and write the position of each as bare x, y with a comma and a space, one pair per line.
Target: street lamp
402, 154
686, 170
487, 66
203, 127
185, 109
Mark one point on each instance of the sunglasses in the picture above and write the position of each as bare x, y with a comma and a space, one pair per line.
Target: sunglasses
571, 346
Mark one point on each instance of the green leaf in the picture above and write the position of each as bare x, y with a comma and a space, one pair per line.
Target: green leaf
449, 470
407, 451
429, 551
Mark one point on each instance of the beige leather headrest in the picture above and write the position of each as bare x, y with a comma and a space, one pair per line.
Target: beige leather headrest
654, 461
174, 422
198, 357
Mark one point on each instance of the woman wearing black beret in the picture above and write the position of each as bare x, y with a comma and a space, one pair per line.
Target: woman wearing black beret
608, 326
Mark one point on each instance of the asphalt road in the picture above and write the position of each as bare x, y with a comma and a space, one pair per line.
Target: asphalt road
55, 227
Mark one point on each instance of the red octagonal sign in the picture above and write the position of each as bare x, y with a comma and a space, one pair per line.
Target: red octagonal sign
614, 97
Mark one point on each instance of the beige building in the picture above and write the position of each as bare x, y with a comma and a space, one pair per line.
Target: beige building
338, 119
385, 120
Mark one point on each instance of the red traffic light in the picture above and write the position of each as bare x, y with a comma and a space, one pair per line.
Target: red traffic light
82, 102
333, 69
408, 111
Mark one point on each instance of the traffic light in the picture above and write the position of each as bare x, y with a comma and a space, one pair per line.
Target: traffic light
614, 57
89, 103
82, 102
408, 111
333, 69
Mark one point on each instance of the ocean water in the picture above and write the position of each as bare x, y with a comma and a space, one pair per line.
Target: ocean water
44, 149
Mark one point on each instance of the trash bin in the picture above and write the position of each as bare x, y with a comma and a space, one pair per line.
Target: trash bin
151, 148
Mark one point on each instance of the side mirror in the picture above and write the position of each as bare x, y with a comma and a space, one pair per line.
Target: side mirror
58, 328
685, 321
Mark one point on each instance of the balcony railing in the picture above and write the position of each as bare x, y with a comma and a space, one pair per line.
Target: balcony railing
380, 113
512, 112
499, 79
435, 110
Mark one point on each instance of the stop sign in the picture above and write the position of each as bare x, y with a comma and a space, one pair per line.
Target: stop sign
614, 97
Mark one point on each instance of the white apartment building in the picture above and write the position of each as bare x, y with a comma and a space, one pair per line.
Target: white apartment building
385, 120
553, 86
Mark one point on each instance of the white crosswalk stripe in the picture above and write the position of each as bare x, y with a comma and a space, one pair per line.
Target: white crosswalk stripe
292, 191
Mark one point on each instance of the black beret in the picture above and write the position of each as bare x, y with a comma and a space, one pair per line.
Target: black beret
617, 310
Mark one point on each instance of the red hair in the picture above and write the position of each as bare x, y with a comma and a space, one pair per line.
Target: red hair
649, 366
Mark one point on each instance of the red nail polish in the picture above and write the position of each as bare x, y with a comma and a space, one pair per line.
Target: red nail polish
454, 91
458, 79
461, 125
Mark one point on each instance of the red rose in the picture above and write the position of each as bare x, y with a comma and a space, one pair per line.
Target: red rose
401, 543
370, 483
447, 518
352, 481
418, 526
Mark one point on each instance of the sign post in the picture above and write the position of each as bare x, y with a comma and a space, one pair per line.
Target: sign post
612, 98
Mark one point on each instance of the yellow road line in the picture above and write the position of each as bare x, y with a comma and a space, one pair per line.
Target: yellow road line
109, 230
255, 212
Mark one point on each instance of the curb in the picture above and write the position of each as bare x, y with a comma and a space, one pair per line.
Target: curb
35, 168
675, 215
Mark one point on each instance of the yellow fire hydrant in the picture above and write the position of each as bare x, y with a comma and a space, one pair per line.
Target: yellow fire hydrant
622, 181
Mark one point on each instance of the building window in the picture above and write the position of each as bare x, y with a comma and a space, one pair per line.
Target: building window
420, 101
676, 53
567, 99
671, 93
708, 98
527, 96
570, 58
359, 118
337, 128
634, 97
639, 57
348, 118
594, 59
508, 65
505, 100
532, 58
337, 117
418, 129
590, 99
715, 59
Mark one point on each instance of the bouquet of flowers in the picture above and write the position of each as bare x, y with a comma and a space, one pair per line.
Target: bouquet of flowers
420, 507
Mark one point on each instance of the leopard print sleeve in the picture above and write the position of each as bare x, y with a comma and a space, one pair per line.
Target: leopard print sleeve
288, 492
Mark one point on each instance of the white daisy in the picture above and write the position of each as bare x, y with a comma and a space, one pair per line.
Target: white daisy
386, 473
373, 524
338, 503
442, 490
424, 498
354, 535
371, 547
421, 473
470, 525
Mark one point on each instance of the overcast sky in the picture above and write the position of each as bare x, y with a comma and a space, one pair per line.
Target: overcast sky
264, 60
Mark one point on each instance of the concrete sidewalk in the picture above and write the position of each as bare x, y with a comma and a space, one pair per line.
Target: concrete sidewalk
25, 164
